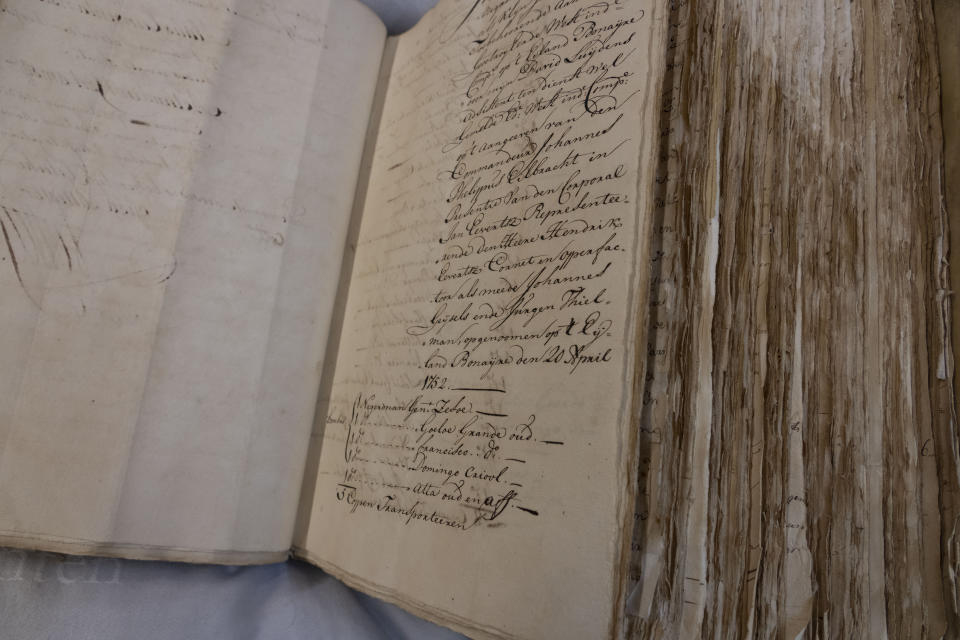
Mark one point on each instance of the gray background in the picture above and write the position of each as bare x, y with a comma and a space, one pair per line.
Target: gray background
55, 597
399, 15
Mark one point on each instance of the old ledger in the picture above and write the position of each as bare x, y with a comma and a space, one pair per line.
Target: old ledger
547, 319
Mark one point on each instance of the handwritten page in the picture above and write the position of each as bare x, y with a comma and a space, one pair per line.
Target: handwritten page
478, 444
175, 186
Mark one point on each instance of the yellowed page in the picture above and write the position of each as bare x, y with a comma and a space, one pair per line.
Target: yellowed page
477, 457
800, 455
948, 47
308, 483
175, 186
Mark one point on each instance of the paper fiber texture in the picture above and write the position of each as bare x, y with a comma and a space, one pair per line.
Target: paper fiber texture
176, 186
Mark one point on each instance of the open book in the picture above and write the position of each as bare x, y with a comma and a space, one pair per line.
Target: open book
547, 319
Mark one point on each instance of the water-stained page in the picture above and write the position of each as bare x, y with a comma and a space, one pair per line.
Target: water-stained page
175, 182
798, 440
478, 444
